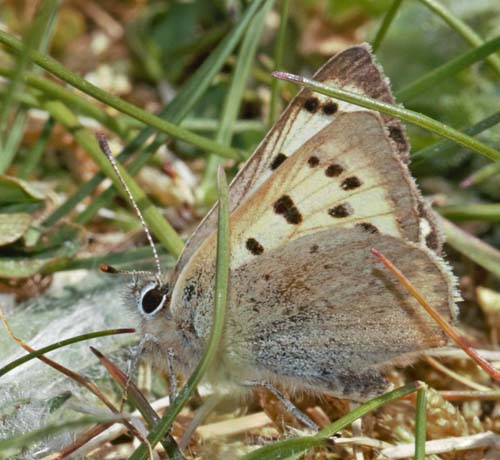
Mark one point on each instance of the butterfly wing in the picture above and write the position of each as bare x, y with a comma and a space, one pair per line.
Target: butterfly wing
323, 313
353, 69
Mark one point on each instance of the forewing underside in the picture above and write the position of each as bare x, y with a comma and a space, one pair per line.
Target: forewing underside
338, 179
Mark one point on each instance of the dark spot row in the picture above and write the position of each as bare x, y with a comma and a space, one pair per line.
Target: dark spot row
257, 249
312, 104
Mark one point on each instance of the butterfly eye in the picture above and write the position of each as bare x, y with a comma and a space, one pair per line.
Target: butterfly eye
152, 300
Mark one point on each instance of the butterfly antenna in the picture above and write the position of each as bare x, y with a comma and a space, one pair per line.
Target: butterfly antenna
103, 144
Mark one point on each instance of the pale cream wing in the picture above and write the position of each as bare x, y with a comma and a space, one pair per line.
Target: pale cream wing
347, 176
353, 69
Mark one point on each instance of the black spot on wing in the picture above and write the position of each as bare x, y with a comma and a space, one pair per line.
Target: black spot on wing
367, 227
313, 161
329, 107
396, 134
311, 104
254, 246
285, 207
341, 210
350, 183
278, 159
334, 170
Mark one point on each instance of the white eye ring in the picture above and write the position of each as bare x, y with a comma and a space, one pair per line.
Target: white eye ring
140, 303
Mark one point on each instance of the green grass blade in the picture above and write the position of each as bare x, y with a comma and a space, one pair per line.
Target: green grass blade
63, 343
220, 300
83, 106
444, 146
468, 34
207, 191
420, 424
386, 22
212, 125
178, 108
38, 37
196, 86
489, 212
35, 154
54, 67
410, 116
278, 58
472, 247
288, 447
482, 174
12, 140
154, 219
447, 70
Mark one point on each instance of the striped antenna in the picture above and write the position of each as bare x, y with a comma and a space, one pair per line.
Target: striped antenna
103, 144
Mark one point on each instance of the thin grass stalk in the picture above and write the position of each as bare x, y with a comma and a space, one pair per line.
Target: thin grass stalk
135, 255
467, 33
410, 116
52, 90
483, 174
220, 300
471, 247
445, 326
136, 398
233, 99
447, 70
386, 23
61, 344
488, 212
278, 58
35, 155
79, 379
445, 146
420, 424
37, 38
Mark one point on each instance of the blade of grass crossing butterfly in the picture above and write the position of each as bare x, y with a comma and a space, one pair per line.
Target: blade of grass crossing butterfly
221, 291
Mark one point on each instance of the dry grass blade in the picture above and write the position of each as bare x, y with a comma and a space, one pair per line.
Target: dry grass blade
138, 400
455, 376
82, 440
129, 387
440, 446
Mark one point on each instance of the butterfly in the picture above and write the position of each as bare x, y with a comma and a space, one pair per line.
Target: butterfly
309, 307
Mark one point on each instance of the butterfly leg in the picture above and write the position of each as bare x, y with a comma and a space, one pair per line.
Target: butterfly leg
289, 405
172, 381
134, 360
